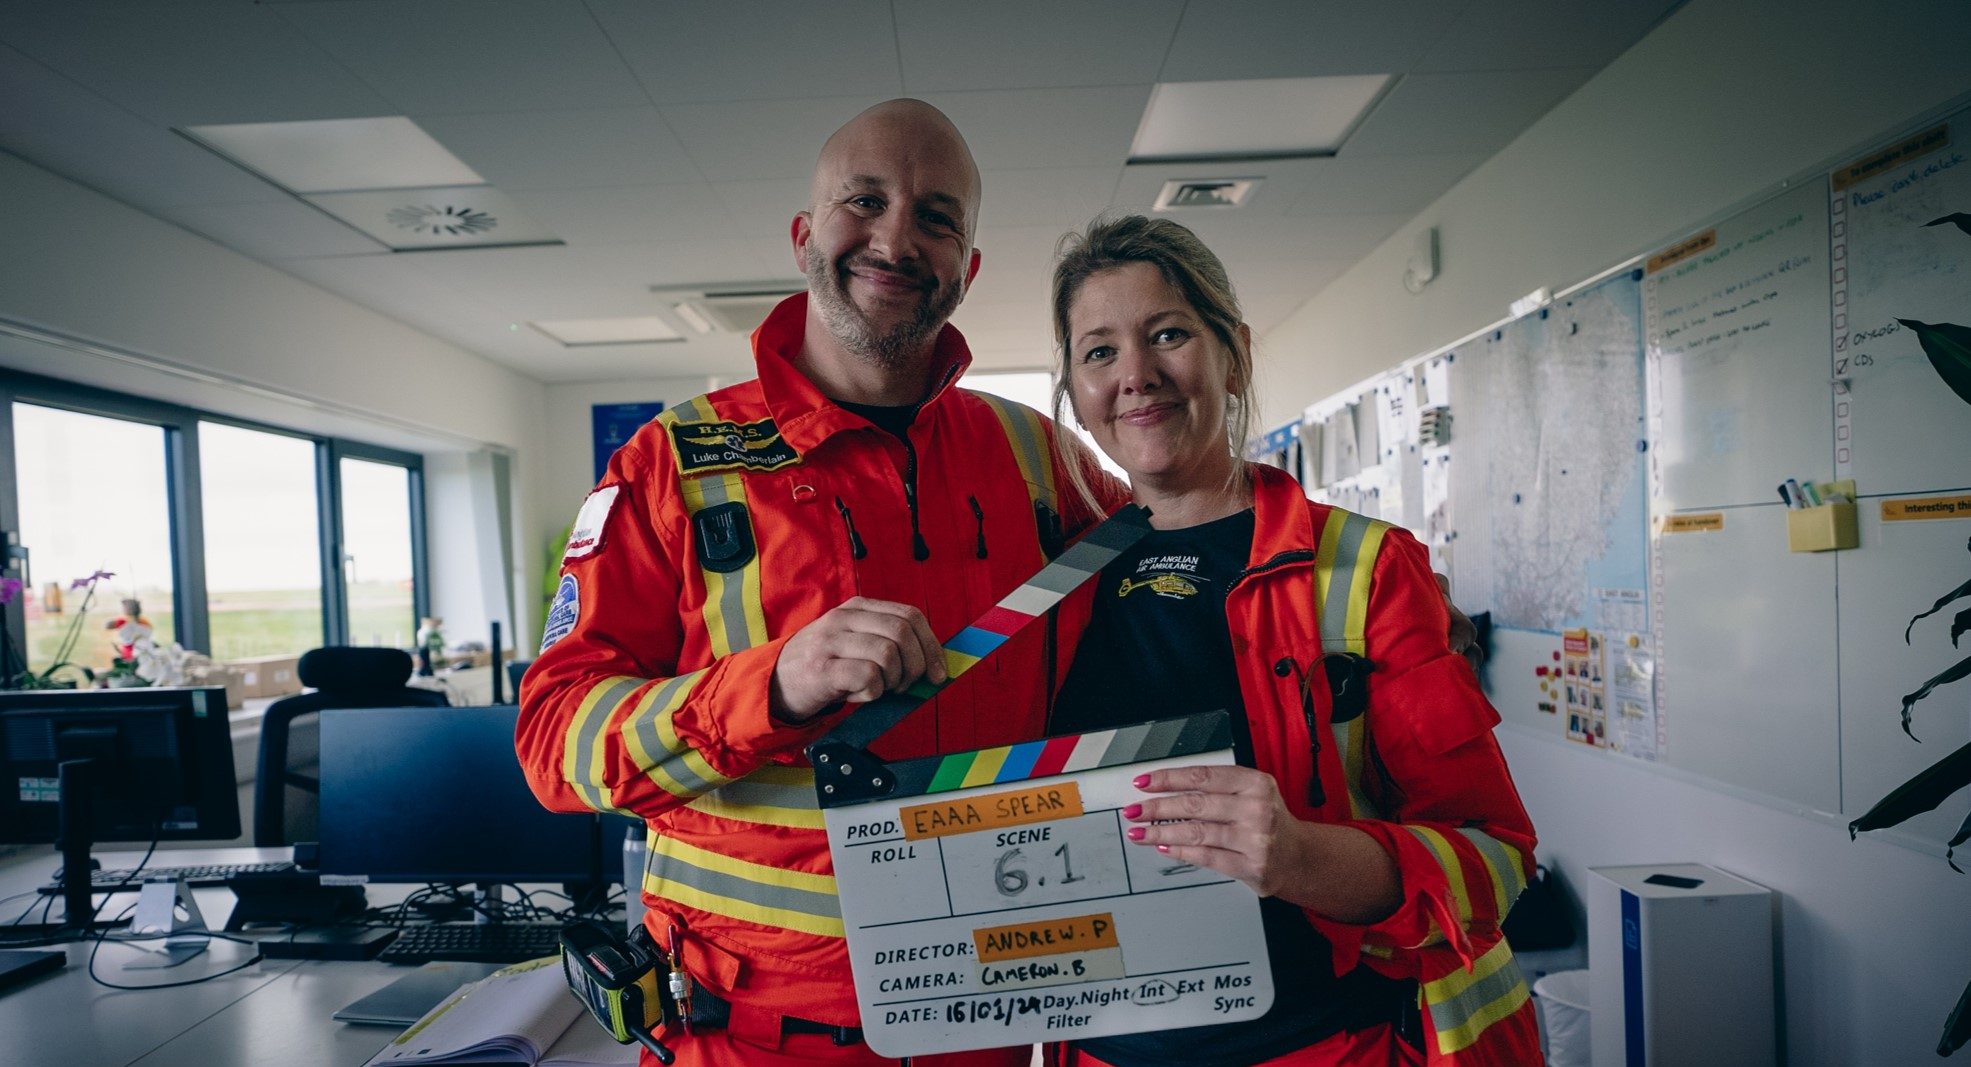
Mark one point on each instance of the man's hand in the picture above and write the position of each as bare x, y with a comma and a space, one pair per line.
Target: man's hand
857, 651
1463, 635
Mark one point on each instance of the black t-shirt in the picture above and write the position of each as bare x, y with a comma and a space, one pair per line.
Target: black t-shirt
895, 419
1159, 646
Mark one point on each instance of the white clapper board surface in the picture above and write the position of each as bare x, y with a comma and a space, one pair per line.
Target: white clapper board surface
991, 898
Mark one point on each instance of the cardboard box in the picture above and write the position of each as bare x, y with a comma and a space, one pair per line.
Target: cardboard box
263, 677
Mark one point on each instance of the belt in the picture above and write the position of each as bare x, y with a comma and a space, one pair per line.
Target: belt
710, 1010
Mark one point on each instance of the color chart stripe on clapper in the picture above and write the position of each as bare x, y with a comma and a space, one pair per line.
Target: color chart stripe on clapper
1140, 743
1013, 613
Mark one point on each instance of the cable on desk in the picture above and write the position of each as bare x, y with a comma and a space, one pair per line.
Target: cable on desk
81, 933
103, 935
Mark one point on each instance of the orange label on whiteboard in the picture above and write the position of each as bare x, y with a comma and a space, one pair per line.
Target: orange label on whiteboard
1052, 937
1892, 157
1061, 800
1701, 522
1681, 251
1921, 509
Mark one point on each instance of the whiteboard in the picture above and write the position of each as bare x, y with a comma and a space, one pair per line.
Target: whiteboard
1747, 680
1907, 431
1902, 569
1738, 339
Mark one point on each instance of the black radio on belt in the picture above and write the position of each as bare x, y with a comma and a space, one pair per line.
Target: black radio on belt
617, 978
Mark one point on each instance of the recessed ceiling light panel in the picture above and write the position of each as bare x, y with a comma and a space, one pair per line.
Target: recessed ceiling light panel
1183, 193
1257, 118
423, 219
335, 155
582, 333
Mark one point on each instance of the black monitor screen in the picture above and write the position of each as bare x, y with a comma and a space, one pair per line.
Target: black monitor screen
162, 763
436, 795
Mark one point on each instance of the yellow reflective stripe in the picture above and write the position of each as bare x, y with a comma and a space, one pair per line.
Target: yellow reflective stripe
1502, 862
1326, 556
1351, 744
1454, 872
1029, 440
1463, 1003
1357, 627
650, 734
774, 795
769, 896
734, 619
584, 765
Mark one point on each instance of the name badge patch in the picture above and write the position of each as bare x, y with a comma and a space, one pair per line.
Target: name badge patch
586, 537
711, 446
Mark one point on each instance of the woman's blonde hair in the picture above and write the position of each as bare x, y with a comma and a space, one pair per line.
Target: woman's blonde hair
1190, 268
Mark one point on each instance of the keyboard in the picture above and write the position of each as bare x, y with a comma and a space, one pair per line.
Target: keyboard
207, 876
474, 943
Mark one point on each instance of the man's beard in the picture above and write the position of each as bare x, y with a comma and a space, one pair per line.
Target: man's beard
890, 348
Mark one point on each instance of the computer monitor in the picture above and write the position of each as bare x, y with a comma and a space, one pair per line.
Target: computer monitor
436, 795
139, 764
162, 763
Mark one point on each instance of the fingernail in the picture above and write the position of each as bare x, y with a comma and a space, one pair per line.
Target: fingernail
1136, 833
1132, 811
1163, 848
1141, 781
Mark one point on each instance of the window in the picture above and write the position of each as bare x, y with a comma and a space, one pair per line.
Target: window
93, 498
1035, 389
263, 552
377, 553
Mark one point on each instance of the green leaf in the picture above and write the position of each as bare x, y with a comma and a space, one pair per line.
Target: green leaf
1959, 220
1957, 1028
1949, 347
1931, 787
1955, 594
1960, 669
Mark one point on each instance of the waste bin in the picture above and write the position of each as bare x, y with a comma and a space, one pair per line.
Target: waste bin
1564, 1018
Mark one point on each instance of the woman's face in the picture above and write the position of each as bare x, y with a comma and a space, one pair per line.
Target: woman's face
1149, 379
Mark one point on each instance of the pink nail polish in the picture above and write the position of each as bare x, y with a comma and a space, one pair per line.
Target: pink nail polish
1132, 811
1136, 833
1140, 781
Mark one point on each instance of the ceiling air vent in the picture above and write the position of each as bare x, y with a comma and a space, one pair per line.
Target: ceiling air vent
733, 311
1182, 194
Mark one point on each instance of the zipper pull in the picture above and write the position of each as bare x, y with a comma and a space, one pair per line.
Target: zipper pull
856, 547
979, 514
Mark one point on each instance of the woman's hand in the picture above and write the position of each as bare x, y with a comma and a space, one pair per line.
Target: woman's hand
1232, 820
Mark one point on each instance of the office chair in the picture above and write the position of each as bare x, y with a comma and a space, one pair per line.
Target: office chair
341, 677
516, 669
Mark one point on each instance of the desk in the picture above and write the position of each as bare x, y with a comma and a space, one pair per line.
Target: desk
274, 1012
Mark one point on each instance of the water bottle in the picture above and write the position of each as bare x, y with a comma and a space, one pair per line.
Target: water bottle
635, 851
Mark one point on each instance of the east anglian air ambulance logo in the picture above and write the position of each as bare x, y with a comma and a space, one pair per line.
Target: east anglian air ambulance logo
710, 446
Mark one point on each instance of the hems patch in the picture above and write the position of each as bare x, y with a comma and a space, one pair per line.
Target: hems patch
586, 537
563, 613
713, 446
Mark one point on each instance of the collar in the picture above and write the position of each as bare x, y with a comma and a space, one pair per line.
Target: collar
805, 417
1283, 516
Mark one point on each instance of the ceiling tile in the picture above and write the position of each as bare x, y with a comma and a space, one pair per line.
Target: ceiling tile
629, 214
63, 127
276, 230
1522, 34
1026, 129
1059, 197
1221, 39
1365, 185
700, 51
764, 210
750, 140
186, 64
1472, 112
963, 44
519, 150
441, 56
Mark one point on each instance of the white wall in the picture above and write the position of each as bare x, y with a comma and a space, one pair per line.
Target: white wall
159, 312
1725, 99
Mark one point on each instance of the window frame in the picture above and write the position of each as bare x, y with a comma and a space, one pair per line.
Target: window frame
185, 497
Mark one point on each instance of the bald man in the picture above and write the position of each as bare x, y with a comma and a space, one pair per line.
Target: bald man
759, 557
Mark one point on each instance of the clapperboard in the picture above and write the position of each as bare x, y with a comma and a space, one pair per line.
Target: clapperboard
991, 898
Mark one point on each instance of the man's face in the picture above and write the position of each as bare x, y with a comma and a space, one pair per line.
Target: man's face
887, 245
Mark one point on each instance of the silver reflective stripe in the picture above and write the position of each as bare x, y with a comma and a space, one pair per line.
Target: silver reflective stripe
1500, 859
1341, 578
1454, 1014
668, 868
668, 760
717, 489
1033, 458
753, 792
588, 777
